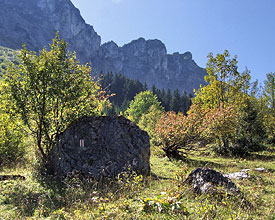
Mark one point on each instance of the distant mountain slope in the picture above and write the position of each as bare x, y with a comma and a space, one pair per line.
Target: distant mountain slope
35, 22
7, 56
149, 62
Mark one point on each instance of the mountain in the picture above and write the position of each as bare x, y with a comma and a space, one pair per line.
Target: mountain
35, 22
7, 57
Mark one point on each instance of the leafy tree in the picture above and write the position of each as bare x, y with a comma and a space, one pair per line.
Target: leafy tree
7, 57
250, 130
225, 84
225, 95
141, 105
50, 90
269, 91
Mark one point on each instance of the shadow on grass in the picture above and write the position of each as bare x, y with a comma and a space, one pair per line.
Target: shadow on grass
157, 177
28, 197
202, 163
196, 162
261, 157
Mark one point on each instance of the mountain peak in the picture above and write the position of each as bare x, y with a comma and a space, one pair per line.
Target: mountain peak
35, 23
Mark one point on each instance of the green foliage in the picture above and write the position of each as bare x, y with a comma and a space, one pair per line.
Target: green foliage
177, 132
164, 204
12, 146
141, 105
7, 57
124, 90
148, 122
269, 91
250, 131
232, 119
225, 84
269, 97
50, 90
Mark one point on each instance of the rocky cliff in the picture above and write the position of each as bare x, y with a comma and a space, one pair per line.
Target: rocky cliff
149, 62
35, 22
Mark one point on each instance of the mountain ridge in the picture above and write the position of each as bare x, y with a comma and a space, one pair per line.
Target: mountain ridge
35, 22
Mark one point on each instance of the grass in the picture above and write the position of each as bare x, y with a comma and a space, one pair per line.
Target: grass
160, 196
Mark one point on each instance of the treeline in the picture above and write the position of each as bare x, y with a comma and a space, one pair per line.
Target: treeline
124, 90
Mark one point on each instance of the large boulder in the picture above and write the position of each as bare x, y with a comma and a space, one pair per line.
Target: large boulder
204, 180
101, 147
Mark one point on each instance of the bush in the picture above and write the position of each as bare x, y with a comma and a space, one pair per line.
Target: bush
148, 123
141, 105
247, 133
177, 132
12, 147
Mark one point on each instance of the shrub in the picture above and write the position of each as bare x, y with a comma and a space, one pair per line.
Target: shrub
12, 146
177, 132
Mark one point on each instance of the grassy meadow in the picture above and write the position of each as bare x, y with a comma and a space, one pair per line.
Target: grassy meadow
163, 195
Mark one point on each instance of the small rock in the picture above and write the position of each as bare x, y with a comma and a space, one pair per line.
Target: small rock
237, 175
245, 170
204, 179
260, 169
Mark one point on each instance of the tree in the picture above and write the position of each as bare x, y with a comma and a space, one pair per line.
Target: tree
269, 91
225, 84
225, 94
167, 100
52, 89
250, 131
141, 105
269, 97
175, 103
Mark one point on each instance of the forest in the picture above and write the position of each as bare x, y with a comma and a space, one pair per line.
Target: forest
227, 125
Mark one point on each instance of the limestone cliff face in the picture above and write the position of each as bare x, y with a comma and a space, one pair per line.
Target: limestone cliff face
35, 22
149, 62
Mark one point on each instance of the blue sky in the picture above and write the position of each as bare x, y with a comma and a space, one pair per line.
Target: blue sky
244, 27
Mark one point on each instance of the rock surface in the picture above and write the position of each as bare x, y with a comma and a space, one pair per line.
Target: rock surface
35, 22
101, 147
204, 179
148, 61
237, 175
